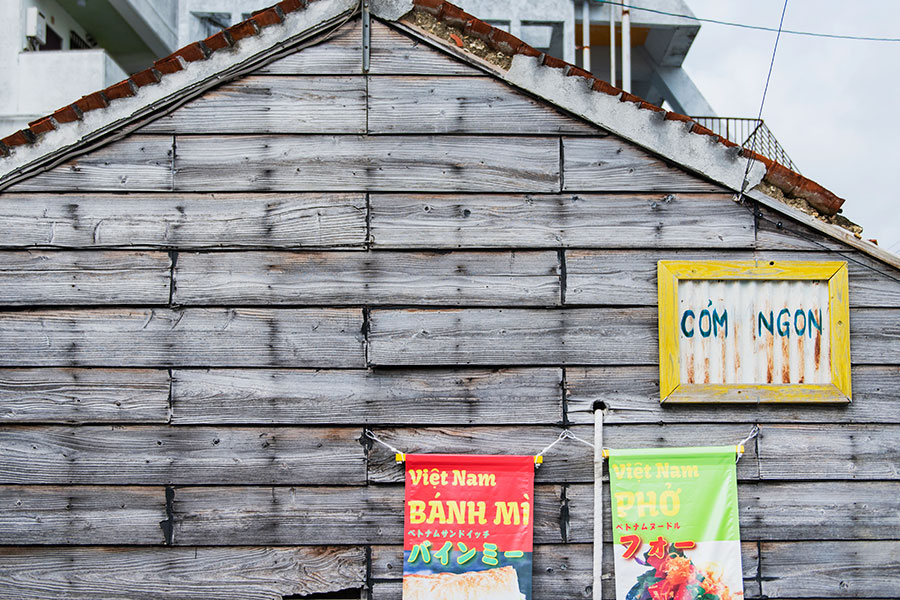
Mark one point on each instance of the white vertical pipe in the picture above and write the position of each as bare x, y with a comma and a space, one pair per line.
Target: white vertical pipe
586, 35
626, 50
612, 44
598, 499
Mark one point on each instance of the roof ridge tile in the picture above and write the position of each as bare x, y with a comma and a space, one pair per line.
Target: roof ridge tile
451, 15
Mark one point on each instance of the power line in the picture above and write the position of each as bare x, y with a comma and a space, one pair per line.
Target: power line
763, 102
833, 36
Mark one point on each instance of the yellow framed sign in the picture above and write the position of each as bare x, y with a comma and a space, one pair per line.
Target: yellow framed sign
753, 331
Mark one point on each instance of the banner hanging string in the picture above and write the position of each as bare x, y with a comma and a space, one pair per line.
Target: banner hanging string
563, 435
754, 431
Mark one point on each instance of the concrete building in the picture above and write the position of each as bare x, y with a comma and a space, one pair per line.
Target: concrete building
90, 45
659, 43
53, 51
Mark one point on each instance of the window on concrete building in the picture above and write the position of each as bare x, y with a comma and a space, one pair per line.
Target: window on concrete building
54, 41
77, 43
544, 36
504, 25
206, 24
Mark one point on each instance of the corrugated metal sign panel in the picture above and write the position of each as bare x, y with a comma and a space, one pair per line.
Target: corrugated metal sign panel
754, 332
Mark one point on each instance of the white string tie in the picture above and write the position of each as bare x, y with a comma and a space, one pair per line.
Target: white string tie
372, 436
754, 431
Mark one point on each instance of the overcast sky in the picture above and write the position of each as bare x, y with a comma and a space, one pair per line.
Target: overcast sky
832, 104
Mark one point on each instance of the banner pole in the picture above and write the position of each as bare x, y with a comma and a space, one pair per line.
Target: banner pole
599, 407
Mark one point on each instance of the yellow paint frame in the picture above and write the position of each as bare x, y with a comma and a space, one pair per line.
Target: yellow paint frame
670, 272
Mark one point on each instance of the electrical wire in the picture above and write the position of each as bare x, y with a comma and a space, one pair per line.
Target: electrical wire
762, 103
835, 36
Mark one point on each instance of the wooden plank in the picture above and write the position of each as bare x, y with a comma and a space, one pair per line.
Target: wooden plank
347, 278
185, 221
513, 336
610, 164
560, 571
81, 515
381, 163
829, 452
83, 396
777, 231
184, 337
569, 462
558, 221
35, 277
875, 336
427, 397
788, 511
241, 573
392, 53
148, 455
395, 53
478, 105
848, 569
315, 515
135, 163
341, 54
273, 104
629, 277
632, 395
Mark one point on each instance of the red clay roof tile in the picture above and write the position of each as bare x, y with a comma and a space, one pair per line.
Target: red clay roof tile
67, 114
170, 64
123, 89
504, 42
605, 87
432, 7
449, 14
454, 16
674, 116
42, 125
289, 6
192, 52
242, 30
218, 41
93, 101
553, 62
19, 138
478, 29
146, 77
267, 17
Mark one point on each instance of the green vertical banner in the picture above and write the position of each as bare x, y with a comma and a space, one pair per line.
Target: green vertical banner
675, 524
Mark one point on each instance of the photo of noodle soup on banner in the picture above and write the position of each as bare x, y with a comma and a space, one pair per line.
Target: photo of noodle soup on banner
675, 524
468, 526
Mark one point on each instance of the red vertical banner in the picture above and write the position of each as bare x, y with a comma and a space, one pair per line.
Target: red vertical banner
468, 527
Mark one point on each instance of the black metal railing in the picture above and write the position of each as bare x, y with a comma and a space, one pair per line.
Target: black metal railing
749, 133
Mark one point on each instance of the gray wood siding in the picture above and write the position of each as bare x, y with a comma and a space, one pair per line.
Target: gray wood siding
137, 163
127, 573
513, 336
84, 396
199, 321
417, 396
182, 221
312, 337
261, 104
159, 455
35, 277
558, 221
428, 104
318, 163
335, 278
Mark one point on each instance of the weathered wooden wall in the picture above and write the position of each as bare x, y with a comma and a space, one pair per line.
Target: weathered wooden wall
199, 321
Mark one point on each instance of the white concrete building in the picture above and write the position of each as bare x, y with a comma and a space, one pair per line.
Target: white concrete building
91, 44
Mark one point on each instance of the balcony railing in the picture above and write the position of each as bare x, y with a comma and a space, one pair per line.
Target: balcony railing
749, 133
